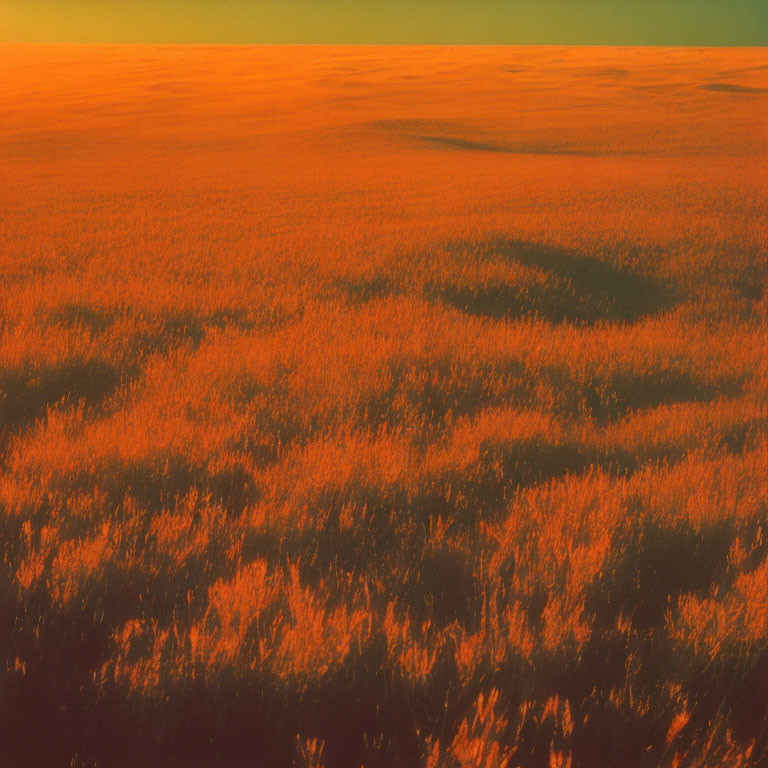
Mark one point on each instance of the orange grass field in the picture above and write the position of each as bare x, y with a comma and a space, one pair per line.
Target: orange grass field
383, 407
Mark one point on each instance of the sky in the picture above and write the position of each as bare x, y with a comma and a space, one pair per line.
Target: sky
571, 22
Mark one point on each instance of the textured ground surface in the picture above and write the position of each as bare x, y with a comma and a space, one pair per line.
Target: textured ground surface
383, 407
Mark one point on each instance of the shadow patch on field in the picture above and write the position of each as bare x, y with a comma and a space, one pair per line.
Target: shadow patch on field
25, 396
750, 283
164, 333
158, 483
611, 72
731, 88
362, 289
167, 328
470, 137
624, 393
452, 142
420, 404
180, 327
582, 289
423, 586
74, 314
649, 566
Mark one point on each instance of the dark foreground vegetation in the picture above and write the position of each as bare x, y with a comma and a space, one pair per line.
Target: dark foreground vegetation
351, 440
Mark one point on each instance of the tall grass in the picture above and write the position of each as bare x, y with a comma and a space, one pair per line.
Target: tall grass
375, 408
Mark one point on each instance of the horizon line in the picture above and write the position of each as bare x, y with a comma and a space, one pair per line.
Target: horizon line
240, 44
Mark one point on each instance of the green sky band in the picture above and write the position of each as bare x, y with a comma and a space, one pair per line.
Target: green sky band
571, 22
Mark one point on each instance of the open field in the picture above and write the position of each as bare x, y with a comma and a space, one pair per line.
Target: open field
383, 407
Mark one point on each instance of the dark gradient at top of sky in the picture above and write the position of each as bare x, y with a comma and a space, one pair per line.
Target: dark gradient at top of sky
574, 22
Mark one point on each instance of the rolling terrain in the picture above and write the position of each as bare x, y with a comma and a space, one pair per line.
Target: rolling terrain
383, 406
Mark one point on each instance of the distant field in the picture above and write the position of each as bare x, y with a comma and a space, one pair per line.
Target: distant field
383, 407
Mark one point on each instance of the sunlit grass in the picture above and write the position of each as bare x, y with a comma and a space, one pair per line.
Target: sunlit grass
423, 423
